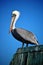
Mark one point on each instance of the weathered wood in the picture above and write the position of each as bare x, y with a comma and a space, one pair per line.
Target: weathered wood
32, 55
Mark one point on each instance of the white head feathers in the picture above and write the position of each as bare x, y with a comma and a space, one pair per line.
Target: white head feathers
16, 12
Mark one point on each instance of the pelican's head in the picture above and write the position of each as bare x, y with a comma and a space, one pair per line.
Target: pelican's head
17, 13
15, 16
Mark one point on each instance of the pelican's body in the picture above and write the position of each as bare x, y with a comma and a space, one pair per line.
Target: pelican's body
21, 34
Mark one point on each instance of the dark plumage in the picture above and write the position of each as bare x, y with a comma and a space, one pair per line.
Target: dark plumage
24, 36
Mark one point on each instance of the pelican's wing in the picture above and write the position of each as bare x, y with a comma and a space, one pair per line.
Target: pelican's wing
27, 35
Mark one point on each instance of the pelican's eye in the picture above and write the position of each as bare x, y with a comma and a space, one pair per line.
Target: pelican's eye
14, 15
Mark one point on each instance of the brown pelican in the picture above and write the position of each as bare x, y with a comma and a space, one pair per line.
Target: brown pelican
21, 34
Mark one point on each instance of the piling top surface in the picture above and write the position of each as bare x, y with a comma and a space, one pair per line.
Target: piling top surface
38, 48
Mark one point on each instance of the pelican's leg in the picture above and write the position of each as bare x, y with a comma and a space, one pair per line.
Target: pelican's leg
26, 45
22, 45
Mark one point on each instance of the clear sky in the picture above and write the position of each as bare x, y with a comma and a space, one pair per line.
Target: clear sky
31, 19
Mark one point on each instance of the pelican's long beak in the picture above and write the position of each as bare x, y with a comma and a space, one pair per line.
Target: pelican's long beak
12, 21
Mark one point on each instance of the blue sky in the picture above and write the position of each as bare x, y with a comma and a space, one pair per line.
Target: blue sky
31, 19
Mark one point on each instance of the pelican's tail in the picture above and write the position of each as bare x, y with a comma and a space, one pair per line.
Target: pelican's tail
37, 43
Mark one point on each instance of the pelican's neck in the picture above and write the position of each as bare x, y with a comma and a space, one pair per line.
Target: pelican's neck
14, 24
15, 20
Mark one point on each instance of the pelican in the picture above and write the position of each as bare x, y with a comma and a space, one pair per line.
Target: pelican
20, 34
